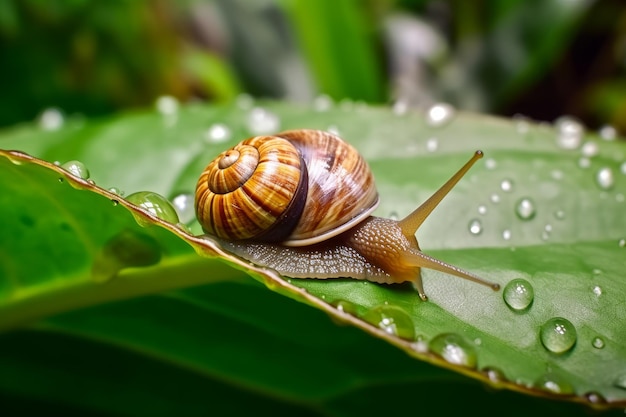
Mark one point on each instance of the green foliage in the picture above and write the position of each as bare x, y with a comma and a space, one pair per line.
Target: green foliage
109, 310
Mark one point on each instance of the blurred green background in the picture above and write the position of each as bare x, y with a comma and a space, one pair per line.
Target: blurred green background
540, 58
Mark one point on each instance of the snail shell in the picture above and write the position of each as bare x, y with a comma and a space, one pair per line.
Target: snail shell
299, 188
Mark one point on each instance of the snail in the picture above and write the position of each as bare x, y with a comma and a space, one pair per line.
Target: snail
301, 201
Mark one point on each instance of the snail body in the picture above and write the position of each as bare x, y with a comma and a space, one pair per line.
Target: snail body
300, 202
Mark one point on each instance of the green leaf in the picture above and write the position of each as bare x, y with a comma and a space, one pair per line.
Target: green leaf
69, 246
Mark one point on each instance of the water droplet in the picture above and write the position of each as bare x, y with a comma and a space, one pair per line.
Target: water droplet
439, 115
594, 397
556, 174
334, 129
420, 345
604, 178
394, 215
391, 319
346, 306
475, 227
597, 290
218, 133
454, 349
482, 209
597, 342
621, 243
518, 294
569, 132
155, 204
432, 144
554, 383
559, 214
506, 185
167, 105
323, 102
245, 101
584, 162
525, 209
117, 191
622, 168
558, 335
590, 149
494, 374
126, 249
184, 205
76, 168
506, 234
522, 124
620, 381
262, 121
607, 132
51, 119
491, 163
495, 198
400, 107
115, 202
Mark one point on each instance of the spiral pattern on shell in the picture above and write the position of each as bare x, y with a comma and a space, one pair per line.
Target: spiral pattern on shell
298, 188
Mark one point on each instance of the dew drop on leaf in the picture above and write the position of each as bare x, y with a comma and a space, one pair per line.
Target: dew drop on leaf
155, 204
126, 249
590, 149
518, 294
506, 234
345, 306
621, 243
559, 214
584, 162
525, 209
475, 227
569, 132
607, 132
558, 335
597, 290
622, 168
604, 178
167, 105
491, 163
594, 397
51, 119
184, 205
392, 320
334, 129
244, 101
597, 342
439, 114
262, 121
506, 185
454, 349
218, 133
117, 191
495, 198
322, 102
554, 383
400, 107
482, 209
76, 168
494, 374
432, 144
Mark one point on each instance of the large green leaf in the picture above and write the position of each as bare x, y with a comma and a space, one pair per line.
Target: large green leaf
69, 246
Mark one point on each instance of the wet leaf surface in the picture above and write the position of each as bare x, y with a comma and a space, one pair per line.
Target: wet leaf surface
86, 275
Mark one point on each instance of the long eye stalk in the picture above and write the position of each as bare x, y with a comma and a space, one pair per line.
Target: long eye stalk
413, 221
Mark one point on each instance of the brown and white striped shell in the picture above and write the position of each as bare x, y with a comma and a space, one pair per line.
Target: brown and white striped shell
299, 187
